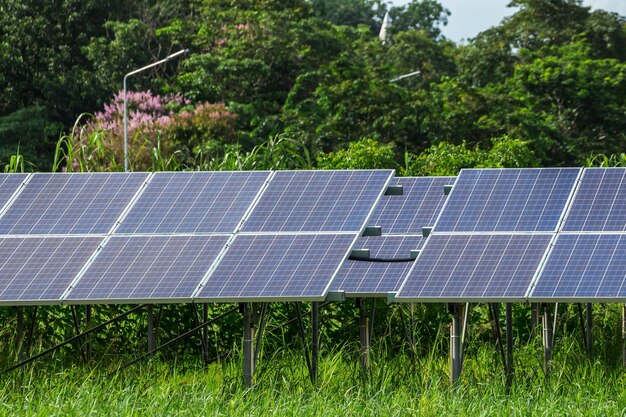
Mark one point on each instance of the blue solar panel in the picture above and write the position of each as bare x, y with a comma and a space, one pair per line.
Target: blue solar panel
600, 202
148, 268
41, 269
193, 202
71, 203
589, 266
507, 200
9, 183
317, 201
277, 267
417, 207
475, 267
377, 278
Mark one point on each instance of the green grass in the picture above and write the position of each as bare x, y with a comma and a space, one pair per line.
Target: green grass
397, 386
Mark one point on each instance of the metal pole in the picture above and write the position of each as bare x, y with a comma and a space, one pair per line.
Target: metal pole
19, 340
315, 339
205, 333
509, 345
154, 64
547, 340
455, 343
624, 335
364, 336
87, 324
589, 339
151, 335
534, 316
248, 345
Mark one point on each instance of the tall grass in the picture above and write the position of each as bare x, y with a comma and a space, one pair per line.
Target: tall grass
397, 386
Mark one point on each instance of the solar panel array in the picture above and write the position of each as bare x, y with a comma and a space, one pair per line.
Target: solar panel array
140, 237
401, 219
502, 235
492, 235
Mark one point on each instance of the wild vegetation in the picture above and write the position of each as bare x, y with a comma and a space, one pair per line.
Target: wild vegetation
306, 85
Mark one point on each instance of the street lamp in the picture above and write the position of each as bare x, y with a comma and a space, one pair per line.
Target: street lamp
402, 77
154, 64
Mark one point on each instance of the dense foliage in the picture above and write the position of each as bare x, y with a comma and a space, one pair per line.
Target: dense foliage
547, 83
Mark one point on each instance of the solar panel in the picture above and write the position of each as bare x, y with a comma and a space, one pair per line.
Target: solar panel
475, 267
600, 202
317, 201
589, 266
71, 203
148, 268
417, 207
366, 278
41, 268
193, 202
9, 184
507, 200
277, 267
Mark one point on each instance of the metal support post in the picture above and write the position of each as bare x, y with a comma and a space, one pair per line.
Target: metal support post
248, 344
589, 338
205, 333
534, 316
315, 339
624, 335
547, 340
19, 339
509, 345
456, 346
151, 334
87, 325
364, 336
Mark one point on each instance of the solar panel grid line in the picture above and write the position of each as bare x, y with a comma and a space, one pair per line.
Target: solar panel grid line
213, 267
570, 201
151, 269
80, 273
256, 200
259, 246
6, 205
592, 270
507, 200
65, 203
306, 200
131, 203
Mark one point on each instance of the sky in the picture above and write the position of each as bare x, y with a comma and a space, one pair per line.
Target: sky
470, 17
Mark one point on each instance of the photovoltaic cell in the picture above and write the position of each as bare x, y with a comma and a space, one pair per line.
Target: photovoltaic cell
417, 207
148, 268
377, 278
277, 267
507, 200
589, 266
317, 201
475, 267
9, 183
600, 202
71, 203
193, 202
41, 268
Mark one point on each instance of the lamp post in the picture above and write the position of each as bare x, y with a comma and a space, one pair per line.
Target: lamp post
154, 64
402, 77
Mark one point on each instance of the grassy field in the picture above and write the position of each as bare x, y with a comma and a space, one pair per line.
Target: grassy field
397, 386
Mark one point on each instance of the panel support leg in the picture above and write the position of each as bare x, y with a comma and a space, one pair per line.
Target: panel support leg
364, 336
205, 333
509, 346
151, 334
249, 328
19, 340
624, 335
534, 316
456, 345
315, 339
87, 325
589, 332
547, 340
